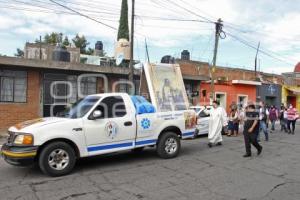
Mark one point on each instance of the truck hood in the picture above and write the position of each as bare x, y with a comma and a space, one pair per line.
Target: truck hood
30, 125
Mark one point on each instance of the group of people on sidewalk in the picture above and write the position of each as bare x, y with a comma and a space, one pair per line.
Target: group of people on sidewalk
253, 119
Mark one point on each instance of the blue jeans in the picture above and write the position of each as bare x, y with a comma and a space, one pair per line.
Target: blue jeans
263, 127
273, 125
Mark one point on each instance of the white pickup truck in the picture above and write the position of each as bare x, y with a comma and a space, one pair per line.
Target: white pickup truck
98, 124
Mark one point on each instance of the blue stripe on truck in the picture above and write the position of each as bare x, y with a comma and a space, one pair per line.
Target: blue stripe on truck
188, 134
144, 142
129, 144
109, 146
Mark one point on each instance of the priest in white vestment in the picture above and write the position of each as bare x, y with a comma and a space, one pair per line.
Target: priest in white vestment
217, 120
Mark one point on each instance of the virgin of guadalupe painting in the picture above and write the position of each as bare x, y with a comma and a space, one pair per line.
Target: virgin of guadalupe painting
166, 87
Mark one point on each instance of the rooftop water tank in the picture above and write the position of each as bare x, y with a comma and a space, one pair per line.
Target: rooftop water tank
168, 59
99, 45
185, 55
60, 54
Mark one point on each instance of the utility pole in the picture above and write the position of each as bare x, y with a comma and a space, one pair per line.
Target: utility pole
255, 66
147, 52
213, 67
40, 47
131, 64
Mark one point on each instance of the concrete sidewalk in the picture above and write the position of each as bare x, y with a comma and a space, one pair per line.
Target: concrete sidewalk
3, 137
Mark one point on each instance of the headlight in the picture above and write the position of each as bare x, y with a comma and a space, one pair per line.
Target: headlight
26, 139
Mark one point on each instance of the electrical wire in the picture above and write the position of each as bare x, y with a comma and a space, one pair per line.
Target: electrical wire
83, 15
260, 50
189, 11
171, 19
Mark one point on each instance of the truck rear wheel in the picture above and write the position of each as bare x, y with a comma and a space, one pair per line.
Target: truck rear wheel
168, 145
57, 159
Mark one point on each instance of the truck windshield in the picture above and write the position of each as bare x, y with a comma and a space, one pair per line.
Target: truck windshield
81, 107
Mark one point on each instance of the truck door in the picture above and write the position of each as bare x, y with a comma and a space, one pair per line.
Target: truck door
114, 130
203, 124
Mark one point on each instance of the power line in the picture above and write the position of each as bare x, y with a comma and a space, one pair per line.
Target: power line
171, 19
254, 47
162, 5
189, 11
192, 6
83, 15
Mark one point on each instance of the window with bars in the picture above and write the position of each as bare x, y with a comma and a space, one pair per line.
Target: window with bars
13, 86
88, 85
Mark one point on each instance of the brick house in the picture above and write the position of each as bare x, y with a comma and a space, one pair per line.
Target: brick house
233, 84
26, 84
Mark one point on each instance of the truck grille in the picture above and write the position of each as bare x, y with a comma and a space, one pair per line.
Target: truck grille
11, 137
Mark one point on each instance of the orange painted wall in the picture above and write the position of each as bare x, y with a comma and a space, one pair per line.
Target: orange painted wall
232, 91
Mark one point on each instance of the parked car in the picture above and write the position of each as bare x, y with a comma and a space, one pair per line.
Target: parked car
98, 124
202, 119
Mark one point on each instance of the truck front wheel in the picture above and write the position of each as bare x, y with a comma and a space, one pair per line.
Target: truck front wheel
168, 145
57, 159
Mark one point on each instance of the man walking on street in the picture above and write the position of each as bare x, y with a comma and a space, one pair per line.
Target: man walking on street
263, 115
251, 129
217, 121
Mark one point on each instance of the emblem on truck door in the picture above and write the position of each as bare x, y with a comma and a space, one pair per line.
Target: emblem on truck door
111, 129
145, 123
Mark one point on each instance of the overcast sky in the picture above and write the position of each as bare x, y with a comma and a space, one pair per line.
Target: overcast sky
276, 24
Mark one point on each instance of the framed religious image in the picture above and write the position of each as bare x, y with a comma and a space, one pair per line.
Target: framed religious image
166, 87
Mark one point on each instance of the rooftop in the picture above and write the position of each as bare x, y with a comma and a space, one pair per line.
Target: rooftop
46, 64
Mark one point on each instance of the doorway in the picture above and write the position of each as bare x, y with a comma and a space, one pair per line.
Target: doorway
270, 101
242, 100
291, 100
221, 98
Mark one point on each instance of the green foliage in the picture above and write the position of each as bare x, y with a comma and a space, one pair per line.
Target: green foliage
20, 53
80, 42
123, 26
56, 37
90, 51
52, 38
66, 42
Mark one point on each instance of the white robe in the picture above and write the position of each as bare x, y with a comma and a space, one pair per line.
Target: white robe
218, 119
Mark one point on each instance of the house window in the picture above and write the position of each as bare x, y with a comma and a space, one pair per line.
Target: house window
13, 86
88, 85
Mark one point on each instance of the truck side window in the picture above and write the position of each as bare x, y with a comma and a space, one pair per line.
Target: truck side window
112, 107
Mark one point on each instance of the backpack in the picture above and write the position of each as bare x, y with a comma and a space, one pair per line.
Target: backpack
264, 113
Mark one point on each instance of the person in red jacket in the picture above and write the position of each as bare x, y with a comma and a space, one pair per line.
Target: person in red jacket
292, 116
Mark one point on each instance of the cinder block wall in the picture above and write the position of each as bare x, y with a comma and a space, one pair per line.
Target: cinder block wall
13, 113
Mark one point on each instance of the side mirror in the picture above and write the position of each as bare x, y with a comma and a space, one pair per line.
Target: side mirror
96, 114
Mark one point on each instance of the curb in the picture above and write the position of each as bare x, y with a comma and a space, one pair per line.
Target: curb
4, 136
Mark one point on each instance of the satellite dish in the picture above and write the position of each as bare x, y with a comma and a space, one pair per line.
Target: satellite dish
119, 58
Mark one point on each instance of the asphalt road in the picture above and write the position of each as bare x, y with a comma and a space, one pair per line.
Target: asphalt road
198, 173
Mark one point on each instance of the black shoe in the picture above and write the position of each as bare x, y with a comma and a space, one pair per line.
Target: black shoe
293, 133
259, 151
219, 144
247, 155
209, 145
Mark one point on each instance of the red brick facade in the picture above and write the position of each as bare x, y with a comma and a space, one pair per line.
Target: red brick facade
12, 113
